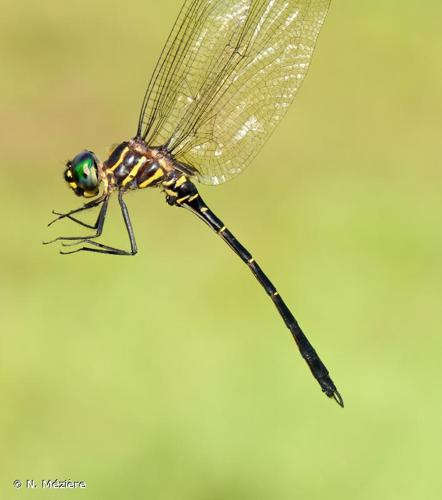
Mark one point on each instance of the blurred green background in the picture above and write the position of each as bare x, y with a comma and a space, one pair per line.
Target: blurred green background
170, 375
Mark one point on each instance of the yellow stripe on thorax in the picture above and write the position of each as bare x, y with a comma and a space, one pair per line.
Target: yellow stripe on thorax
132, 174
180, 181
120, 159
158, 173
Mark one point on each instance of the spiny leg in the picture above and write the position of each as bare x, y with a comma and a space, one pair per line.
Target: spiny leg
188, 197
100, 248
99, 223
86, 206
73, 219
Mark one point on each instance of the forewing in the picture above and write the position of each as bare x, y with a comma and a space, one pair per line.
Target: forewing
225, 78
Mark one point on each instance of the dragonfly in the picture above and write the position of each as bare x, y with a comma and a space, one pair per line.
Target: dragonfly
224, 80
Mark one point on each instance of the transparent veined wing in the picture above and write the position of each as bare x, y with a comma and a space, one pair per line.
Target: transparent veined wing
225, 78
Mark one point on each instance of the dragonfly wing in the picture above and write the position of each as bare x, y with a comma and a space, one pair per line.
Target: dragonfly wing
225, 78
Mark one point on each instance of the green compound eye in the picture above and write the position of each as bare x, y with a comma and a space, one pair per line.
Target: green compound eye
84, 171
82, 174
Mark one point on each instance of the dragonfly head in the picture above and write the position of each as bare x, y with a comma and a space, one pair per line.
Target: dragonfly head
82, 174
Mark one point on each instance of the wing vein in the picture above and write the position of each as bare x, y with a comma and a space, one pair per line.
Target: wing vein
225, 78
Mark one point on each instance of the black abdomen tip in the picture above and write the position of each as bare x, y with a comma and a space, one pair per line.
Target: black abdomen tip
338, 398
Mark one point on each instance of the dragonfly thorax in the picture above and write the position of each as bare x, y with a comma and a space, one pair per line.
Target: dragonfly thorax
133, 165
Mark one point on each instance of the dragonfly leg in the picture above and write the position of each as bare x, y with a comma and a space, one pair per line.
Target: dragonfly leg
188, 197
86, 206
73, 219
100, 247
98, 226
